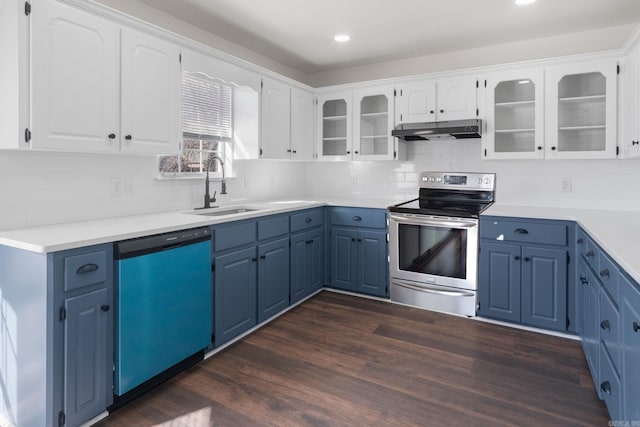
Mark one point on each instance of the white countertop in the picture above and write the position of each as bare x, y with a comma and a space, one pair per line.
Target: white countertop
57, 237
617, 232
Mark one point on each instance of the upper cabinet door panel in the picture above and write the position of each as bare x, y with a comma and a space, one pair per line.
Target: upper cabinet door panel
581, 111
302, 130
75, 86
514, 113
456, 99
373, 123
276, 120
416, 102
151, 88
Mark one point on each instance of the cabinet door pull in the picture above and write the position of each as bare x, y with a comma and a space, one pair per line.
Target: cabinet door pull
589, 254
357, 218
583, 280
263, 257
605, 273
636, 327
112, 136
517, 257
539, 147
128, 137
254, 259
604, 325
521, 231
105, 307
288, 151
87, 268
308, 219
441, 111
526, 259
431, 111
580, 241
606, 387
353, 239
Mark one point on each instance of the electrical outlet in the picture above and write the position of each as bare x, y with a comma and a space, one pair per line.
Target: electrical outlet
565, 184
115, 186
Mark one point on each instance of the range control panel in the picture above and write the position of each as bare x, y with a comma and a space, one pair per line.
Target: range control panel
461, 180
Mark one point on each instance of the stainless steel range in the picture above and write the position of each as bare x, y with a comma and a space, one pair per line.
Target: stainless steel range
433, 242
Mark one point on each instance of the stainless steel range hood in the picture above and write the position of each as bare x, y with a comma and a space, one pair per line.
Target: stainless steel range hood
457, 129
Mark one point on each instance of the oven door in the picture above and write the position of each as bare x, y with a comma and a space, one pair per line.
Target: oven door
434, 250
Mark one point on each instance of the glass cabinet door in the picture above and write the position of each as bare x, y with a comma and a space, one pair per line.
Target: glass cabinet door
334, 127
514, 125
582, 106
374, 122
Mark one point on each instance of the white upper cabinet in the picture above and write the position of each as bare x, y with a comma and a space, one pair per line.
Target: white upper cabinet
302, 129
442, 100
276, 120
373, 123
514, 115
581, 111
151, 92
334, 126
75, 80
631, 103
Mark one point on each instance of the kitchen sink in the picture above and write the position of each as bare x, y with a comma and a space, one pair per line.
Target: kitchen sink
224, 211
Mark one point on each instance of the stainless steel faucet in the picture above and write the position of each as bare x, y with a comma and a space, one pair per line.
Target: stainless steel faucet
223, 184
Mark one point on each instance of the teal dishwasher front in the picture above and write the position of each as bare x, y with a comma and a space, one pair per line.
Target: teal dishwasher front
164, 304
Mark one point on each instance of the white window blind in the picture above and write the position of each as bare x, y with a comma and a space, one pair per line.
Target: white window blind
206, 108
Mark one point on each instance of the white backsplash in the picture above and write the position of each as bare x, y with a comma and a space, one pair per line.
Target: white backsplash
49, 188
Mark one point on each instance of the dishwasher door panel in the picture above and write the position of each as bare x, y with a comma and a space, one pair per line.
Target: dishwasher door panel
163, 313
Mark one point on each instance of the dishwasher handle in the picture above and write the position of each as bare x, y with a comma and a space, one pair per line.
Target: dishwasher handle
160, 242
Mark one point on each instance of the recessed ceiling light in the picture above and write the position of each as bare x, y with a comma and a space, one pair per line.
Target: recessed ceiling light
523, 2
342, 38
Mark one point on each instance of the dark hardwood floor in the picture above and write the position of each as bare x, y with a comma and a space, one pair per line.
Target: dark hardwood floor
338, 360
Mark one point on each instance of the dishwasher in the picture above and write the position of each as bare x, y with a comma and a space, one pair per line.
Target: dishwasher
164, 307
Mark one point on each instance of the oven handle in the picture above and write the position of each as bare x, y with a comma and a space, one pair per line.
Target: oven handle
436, 223
432, 291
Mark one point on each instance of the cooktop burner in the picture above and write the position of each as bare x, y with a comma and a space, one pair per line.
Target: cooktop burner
464, 195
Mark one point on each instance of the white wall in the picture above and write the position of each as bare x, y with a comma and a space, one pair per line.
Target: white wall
49, 188
603, 184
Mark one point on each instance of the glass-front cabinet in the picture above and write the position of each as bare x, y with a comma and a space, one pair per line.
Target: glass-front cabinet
581, 111
373, 122
335, 126
515, 119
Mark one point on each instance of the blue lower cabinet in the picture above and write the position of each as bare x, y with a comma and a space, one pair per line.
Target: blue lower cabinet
273, 278
630, 346
307, 251
544, 287
359, 261
499, 281
235, 284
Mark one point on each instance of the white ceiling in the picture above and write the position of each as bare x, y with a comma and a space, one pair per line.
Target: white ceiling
299, 33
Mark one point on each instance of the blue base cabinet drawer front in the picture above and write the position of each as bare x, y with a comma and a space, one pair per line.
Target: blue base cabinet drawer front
231, 236
307, 219
630, 346
84, 270
608, 274
609, 387
548, 233
273, 227
610, 329
359, 217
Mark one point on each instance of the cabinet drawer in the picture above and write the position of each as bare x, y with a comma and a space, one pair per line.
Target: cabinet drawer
306, 219
548, 233
371, 218
85, 269
234, 235
608, 274
610, 328
273, 227
609, 386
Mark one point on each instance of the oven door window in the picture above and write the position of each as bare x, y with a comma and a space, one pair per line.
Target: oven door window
438, 251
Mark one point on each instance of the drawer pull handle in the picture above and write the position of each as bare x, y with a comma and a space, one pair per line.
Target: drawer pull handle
636, 327
105, 308
583, 280
604, 273
590, 254
605, 325
308, 219
263, 257
357, 218
606, 387
308, 242
254, 259
87, 268
521, 231
580, 241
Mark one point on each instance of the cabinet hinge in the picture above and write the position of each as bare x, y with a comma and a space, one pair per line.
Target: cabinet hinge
62, 314
477, 112
477, 84
485, 83
485, 152
61, 418
27, 8
568, 323
180, 58
261, 84
618, 69
617, 150
395, 154
400, 117
394, 92
27, 135
568, 258
261, 151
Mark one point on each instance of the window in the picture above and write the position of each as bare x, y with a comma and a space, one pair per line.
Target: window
207, 125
